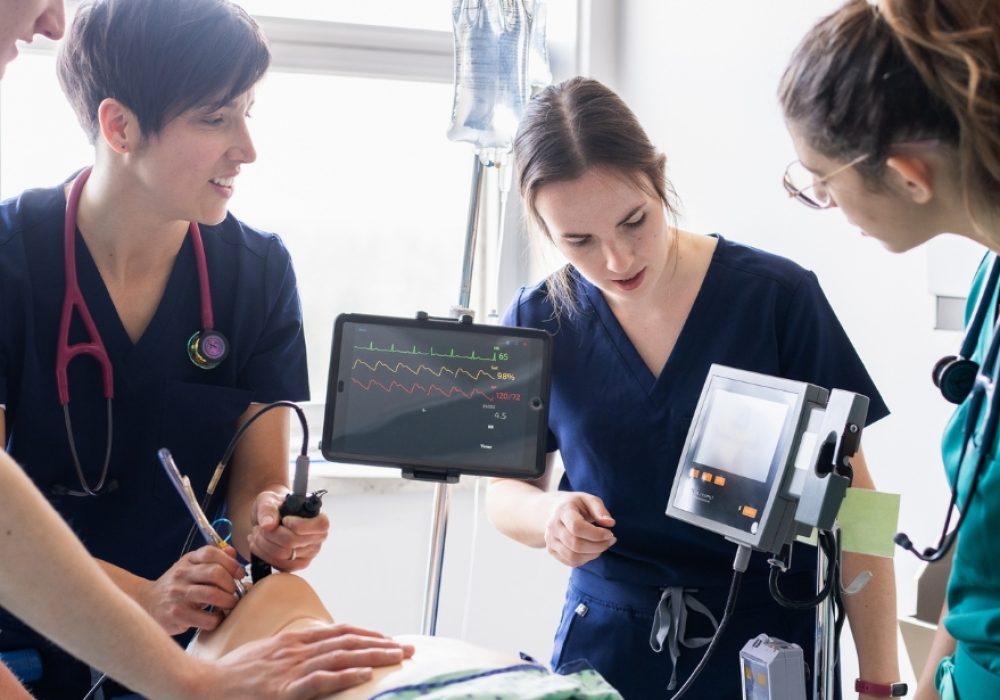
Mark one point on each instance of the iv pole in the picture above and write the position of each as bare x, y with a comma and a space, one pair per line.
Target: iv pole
442, 490
824, 656
497, 14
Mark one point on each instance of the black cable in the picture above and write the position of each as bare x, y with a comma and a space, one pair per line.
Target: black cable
231, 447
840, 609
227, 455
97, 686
742, 559
828, 544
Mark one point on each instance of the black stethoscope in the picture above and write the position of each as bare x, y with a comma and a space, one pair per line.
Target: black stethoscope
959, 378
207, 348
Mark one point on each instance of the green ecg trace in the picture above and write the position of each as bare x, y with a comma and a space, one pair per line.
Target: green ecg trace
413, 351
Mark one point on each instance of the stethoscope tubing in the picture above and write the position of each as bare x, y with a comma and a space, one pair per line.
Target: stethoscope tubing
73, 300
983, 391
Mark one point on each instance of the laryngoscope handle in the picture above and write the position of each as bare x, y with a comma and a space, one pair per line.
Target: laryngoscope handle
301, 505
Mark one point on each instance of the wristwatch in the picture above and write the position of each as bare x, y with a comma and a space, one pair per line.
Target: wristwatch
882, 690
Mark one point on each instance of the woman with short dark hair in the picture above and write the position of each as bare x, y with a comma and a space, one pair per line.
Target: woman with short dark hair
186, 318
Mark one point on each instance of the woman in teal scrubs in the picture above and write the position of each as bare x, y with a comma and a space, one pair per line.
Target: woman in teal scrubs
895, 114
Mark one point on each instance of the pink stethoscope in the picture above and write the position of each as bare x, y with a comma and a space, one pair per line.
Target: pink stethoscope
207, 348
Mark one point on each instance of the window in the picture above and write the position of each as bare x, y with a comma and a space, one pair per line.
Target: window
355, 173
359, 179
354, 169
389, 13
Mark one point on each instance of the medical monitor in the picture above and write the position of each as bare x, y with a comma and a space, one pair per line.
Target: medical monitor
751, 465
437, 397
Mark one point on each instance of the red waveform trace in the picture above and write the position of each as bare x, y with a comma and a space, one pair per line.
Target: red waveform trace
428, 390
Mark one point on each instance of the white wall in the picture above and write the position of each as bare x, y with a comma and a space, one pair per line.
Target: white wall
702, 77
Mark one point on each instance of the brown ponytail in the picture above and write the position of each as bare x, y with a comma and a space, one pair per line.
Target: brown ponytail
955, 47
865, 78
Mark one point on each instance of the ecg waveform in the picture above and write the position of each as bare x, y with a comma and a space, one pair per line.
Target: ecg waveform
428, 390
430, 353
402, 365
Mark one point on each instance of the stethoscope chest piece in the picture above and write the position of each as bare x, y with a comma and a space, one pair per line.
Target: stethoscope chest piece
208, 348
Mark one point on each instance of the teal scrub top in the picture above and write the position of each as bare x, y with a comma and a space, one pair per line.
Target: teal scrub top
974, 587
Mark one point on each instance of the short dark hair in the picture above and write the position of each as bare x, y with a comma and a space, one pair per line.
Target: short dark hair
571, 127
159, 58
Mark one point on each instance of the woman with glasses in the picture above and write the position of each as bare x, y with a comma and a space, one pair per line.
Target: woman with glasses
894, 110
638, 315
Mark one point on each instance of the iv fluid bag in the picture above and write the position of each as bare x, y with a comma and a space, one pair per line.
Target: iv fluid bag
499, 54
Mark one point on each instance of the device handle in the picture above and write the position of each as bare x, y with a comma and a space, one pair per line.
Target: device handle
307, 505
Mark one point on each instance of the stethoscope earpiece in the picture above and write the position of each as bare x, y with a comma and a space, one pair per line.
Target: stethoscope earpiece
207, 349
955, 376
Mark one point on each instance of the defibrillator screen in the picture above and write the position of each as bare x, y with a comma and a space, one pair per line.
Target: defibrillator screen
438, 395
741, 434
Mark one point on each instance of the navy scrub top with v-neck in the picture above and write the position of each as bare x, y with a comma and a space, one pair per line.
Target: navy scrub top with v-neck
160, 398
620, 430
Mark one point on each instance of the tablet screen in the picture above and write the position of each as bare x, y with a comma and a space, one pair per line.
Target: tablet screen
438, 395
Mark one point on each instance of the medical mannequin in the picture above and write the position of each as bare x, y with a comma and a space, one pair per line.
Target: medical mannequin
637, 316
283, 602
893, 111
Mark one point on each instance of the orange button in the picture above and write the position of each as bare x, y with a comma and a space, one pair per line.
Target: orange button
720, 480
749, 511
695, 473
705, 476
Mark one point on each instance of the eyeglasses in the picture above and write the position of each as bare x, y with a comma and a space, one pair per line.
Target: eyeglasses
805, 186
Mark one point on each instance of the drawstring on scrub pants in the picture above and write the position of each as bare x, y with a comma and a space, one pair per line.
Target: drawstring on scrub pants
670, 624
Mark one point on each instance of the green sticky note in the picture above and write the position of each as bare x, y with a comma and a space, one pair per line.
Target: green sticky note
869, 520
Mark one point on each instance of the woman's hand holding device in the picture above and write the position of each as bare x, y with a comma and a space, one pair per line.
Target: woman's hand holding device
179, 599
577, 530
289, 543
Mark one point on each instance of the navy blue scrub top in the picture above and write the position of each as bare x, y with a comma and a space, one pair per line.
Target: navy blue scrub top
161, 398
620, 430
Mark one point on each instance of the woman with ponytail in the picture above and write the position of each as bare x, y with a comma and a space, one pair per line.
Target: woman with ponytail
894, 109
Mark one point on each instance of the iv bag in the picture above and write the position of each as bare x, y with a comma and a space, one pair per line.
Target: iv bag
499, 54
